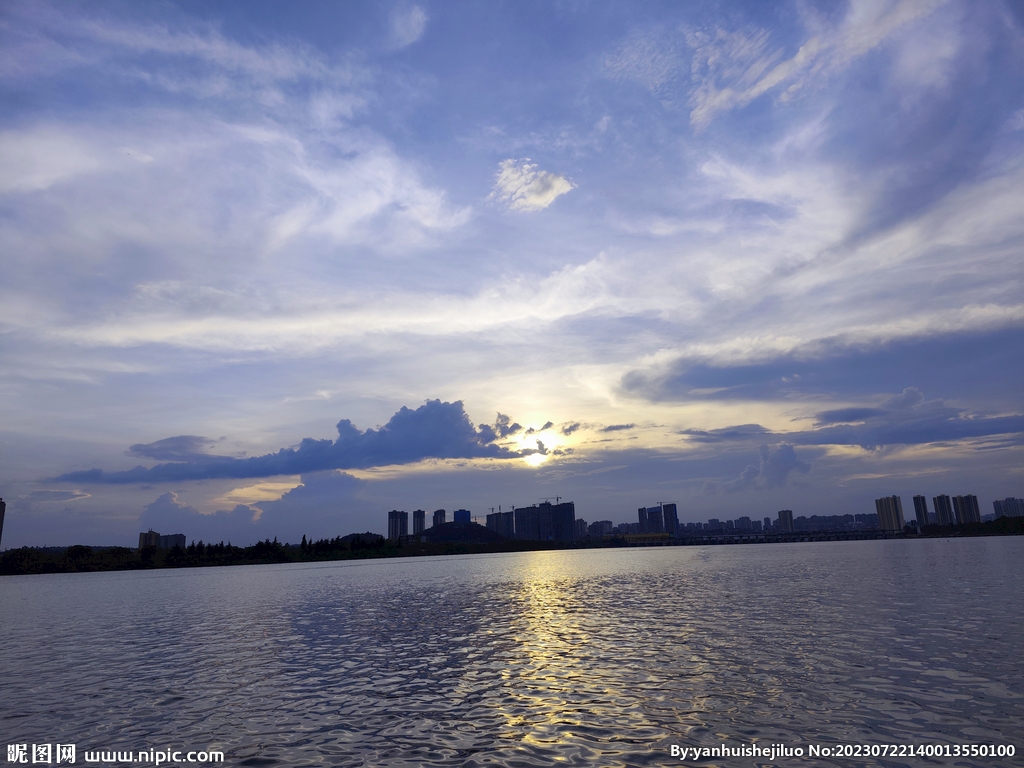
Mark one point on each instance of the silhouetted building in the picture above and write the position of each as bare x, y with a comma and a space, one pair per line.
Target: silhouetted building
641, 515
786, 520
172, 540
966, 509
890, 513
398, 524
462, 516
3, 513
1008, 507
755, 526
600, 528
767, 523
921, 511
169, 541
655, 521
546, 522
671, 518
502, 523
943, 510
439, 515
743, 524
418, 521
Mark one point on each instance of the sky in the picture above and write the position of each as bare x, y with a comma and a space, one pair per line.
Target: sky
273, 269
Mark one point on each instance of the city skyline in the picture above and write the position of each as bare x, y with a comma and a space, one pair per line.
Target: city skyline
270, 270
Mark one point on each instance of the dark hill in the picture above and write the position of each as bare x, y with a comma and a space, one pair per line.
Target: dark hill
462, 532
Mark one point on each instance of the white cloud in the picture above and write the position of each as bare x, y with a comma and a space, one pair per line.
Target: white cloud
37, 159
408, 23
524, 188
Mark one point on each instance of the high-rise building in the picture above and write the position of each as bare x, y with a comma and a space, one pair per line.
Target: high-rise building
462, 516
171, 540
418, 521
3, 512
546, 522
671, 517
743, 524
439, 515
398, 524
921, 511
890, 513
943, 510
767, 522
149, 539
655, 521
786, 520
966, 509
755, 526
503, 523
641, 515
1008, 507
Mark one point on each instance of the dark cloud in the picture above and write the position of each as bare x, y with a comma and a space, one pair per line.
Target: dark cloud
961, 365
904, 419
541, 449
547, 425
568, 429
434, 430
739, 432
180, 448
504, 427
618, 427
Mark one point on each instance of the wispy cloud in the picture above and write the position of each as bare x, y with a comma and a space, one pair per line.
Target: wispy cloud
407, 24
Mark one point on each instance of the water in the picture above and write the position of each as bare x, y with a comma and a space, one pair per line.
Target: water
592, 657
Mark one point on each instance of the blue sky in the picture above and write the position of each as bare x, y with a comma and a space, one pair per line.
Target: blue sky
274, 269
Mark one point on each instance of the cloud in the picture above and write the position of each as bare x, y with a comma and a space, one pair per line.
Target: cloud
775, 467
180, 448
547, 425
47, 496
435, 430
407, 24
569, 428
949, 362
168, 515
904, 419
523, 188
617, 427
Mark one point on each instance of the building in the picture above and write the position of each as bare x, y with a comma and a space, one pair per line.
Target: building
655, 520
439, 515
502, 523
1008, 507
767, 522
966, 509
890, 513
785, 521
671, 519
743, 524
462, 516
398, 524
3, 512
921, 511
600, 528
581, 529
172, 540
546, 522
169, 541
943, 510
641, 515
418, 521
